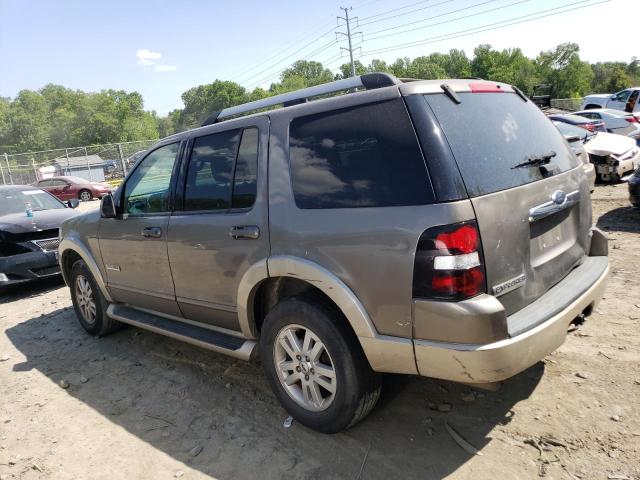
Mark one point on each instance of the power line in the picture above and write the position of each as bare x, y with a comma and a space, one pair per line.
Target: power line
434, 16
384, 19
288, 57
292, 43
396, 9
446, 21
462, 34
276, 74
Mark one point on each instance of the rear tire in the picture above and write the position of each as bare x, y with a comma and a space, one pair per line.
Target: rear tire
89, 303
85, 196
331, 359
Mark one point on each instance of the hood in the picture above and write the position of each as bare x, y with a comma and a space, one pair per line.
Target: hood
17, 223
604, 96
609, 144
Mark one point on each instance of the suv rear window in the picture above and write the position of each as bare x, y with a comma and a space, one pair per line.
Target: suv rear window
491, 133
364, 156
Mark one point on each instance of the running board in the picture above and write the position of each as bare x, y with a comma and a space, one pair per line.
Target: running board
195, 335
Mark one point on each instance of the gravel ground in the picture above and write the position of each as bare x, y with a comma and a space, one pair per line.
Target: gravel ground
138, 405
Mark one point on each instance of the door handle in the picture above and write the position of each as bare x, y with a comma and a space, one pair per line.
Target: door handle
556, 205
152, 232
248, 232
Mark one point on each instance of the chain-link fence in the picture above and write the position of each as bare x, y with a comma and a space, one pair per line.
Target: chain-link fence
569, 104
96, 163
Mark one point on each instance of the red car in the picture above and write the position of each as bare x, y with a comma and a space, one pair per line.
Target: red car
66, 188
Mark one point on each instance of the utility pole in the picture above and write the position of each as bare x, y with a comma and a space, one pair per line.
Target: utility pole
348, 35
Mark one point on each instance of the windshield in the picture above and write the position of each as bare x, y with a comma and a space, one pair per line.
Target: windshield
15, 201
571, 131
77, 180
490, 134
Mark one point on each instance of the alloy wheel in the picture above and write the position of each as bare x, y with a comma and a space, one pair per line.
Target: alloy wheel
85, 299
85, 196
305, 368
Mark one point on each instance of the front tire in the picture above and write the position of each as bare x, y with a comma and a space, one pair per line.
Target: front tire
85, 196
88, 302
315, 365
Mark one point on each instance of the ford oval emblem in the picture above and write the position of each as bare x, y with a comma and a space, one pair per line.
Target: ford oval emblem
559, 197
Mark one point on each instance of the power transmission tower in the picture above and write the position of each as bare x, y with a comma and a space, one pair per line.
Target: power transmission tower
349, 34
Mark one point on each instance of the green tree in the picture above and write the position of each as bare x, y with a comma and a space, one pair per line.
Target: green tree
426, 68
611, 76
203, 100
345, 69
562, 69
311, 73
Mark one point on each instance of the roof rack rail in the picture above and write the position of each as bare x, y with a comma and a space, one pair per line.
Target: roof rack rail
369, 81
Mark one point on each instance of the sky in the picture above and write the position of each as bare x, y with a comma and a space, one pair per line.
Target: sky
162, 48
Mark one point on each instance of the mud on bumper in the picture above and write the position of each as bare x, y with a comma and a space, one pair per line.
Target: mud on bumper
28, 266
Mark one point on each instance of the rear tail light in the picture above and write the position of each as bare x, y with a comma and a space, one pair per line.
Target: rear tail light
449, 263
632, 119
588, 126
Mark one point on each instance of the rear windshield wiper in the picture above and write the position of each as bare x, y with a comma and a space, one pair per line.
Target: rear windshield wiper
536, 161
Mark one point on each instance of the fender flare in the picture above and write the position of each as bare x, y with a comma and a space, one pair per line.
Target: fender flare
316, 275
73, 244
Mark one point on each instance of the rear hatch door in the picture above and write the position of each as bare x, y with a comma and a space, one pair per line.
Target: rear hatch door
528, 190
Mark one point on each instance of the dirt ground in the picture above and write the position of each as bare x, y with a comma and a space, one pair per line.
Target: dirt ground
140, 406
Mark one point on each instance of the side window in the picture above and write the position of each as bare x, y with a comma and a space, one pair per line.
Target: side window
58, 183
210, 172
365, 156
44, 183
147, 189
244, 181
623, 95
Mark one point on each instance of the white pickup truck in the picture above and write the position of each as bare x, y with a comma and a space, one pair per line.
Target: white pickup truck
626, 100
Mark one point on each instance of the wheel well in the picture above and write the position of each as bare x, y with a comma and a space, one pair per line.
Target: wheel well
275, 289
69, 257
592, 106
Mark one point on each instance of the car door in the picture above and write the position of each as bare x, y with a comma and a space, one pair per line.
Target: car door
56, 188
618, 100
64, 190
220, 227
134, 244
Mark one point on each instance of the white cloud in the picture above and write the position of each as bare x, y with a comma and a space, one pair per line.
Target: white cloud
148, 58
166, 68
145, 55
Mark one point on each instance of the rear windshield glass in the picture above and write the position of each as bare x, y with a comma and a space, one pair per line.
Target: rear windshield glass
492, 133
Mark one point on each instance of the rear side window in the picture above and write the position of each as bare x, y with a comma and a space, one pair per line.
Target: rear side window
365, 156
491, 133
244, 179
222, 171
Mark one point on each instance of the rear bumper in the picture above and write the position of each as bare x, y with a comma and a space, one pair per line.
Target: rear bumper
28, 266
497, 361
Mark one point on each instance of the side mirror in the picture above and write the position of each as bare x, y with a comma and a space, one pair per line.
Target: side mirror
107, 207
73, 203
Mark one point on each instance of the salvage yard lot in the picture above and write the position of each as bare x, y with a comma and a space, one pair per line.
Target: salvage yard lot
138, 405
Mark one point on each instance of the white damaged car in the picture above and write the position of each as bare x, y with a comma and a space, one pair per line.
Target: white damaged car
614, 156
